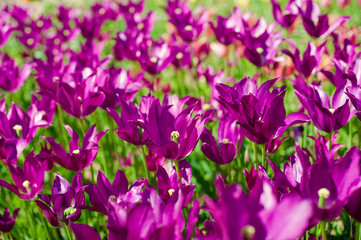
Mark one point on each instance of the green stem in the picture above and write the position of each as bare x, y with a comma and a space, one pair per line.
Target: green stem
145, 163
82, 126
229, 173
46, 226
330, 141
60, 122
357, 231
68, 232
255, 155
30, 218
176, 162
323, 230
264, 155
350, 132
304, 136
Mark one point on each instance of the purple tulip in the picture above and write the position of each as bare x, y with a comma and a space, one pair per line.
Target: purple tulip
354, 94
6, 221
257, 215
127, 129
117, 83
311, 58
12, 78
29, 180
261, 43
65, 203
173, 137
17, 129
78, 158
5, 28
180, 15
159, 220
79, 98
288, 17
259, 111
83, 231
229, 138
168, 183
32, 33
311, 15
327, 118
226, 28
102, 193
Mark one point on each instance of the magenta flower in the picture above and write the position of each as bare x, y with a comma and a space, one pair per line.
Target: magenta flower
327, 118
168, 183
5, 28
180, 15
312, 57
226, 28
229, 138
79, 98
257, 215
288, 17
259, 111
65, 203
173, 137
11, 77
159, 220
78, 158
29, 180
102, 193
117, 83
261, 43
311, 15
17, 129
6, 221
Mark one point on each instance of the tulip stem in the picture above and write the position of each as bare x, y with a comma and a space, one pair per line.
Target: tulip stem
330, 141
145, 163
350, 132
178, 171
82, 126
264, 155
255, 155
357, 231
46, 225
323, 230
68, 232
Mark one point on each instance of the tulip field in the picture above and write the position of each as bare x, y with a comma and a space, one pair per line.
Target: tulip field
180, 119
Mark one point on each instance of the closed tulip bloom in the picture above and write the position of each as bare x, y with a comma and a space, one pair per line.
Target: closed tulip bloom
6, 221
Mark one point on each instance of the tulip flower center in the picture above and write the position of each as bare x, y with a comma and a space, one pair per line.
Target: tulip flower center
323, 194
131, 10
111, 198
69, 211
153, 59
140, 26
66, 32
259, 50
188, 28
80, 99
179, 56
101, 11
174, 136
178, 11
171, 191
40, 23
206, 106
18, 128
226, 140
248, 232
76, 151
26, 184
332, 110
30, 41
27, 30
56, 41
